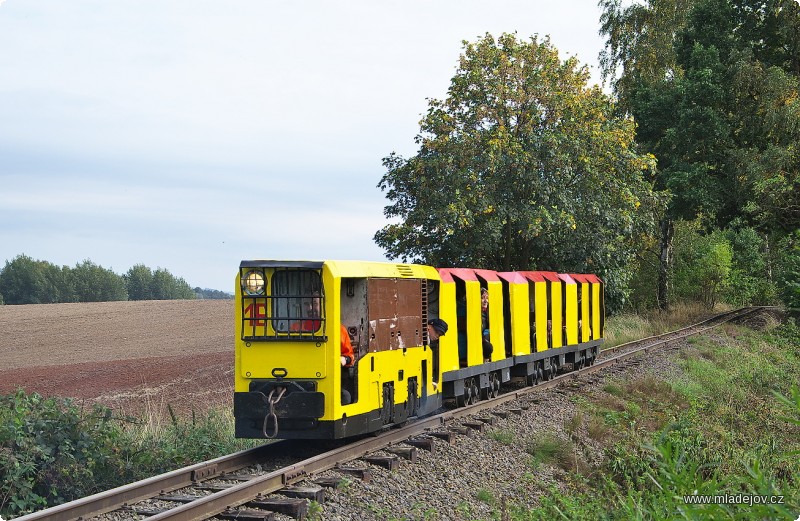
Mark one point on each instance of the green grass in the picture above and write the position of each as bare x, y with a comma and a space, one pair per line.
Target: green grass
727, 423
504, 436
626, 327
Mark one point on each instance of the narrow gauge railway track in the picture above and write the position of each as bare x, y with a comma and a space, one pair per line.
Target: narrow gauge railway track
229, 489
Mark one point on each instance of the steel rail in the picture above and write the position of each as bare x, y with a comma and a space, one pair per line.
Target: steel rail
217, 502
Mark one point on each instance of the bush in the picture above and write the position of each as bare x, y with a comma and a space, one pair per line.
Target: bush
51, 451
702, 263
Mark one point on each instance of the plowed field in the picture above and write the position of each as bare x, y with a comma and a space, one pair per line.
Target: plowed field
133, 356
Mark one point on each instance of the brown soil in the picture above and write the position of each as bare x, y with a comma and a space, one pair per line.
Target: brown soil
133, 356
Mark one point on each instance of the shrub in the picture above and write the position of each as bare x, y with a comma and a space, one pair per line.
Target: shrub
52, 451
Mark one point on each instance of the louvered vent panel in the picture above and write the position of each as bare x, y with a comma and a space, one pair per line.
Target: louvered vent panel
404, 270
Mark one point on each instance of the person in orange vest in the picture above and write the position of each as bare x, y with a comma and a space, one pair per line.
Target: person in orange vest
348, 358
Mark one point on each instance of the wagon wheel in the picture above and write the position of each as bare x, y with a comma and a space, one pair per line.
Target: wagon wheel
463, 399
476, 392
494, 383
533, 378
466, 397
486, 392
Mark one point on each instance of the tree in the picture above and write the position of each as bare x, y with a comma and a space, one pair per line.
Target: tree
22, 281
94, 283
536, 170
703, 263
722, 123
168, 287
139, 280
640, 41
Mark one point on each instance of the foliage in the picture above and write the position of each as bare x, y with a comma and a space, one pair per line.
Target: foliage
140, 282
789, 269
751, 269
639, 42
702, 263
713, 86
211, 294
53, 451
145, 284
537, 171
93, 283
24, 280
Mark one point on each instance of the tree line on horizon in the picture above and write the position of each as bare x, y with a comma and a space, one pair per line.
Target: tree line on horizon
681, 185
24, 280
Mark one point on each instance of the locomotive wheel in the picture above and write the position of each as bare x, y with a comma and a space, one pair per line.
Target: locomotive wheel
532, 379
476, 393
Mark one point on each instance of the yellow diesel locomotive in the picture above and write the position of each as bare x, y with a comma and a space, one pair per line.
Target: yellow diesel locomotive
333, 349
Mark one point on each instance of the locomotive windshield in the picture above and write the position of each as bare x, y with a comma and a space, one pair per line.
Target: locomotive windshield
297, 301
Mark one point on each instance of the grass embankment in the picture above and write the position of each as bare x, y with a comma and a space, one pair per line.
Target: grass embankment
724, 422
627, 327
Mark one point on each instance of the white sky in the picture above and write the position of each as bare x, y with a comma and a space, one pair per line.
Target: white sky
189, 135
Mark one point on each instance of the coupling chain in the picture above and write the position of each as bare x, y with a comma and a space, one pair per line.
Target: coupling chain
271, 400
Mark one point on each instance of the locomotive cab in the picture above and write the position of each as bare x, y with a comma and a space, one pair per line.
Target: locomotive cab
292, 319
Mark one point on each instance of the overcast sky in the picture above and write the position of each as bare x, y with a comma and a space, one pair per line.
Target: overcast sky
189, 135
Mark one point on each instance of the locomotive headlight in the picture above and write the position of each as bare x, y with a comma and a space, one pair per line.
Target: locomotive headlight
253, 283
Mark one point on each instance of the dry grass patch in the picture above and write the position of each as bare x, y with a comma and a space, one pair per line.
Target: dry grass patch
549, 449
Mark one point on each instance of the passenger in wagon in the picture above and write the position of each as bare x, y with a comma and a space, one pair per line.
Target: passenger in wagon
487, 345
436, 328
